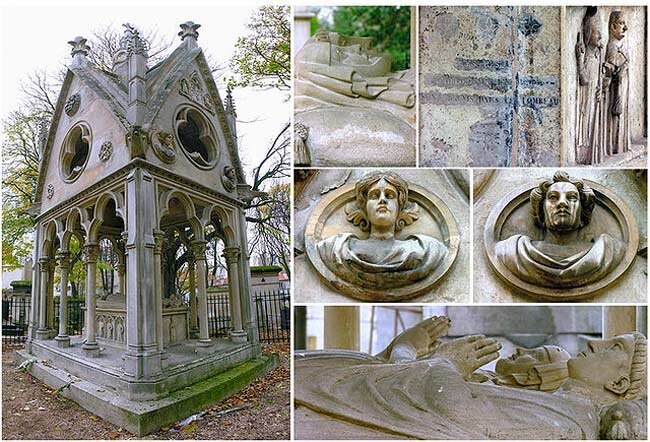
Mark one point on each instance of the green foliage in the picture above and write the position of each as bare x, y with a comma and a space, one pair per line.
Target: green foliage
389, 26
263, 57
266, 269
20, 283
19, 180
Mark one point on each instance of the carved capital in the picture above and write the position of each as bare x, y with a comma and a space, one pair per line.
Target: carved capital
159, 239
232, 254
44, 264
64, 260
91, 253
198, 247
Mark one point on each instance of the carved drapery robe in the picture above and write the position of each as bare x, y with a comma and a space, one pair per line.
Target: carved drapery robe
529, 264
427, 399
616, 98
589, 141
405, 262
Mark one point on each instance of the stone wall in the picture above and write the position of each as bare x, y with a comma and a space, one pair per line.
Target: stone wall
491, 186
489, 86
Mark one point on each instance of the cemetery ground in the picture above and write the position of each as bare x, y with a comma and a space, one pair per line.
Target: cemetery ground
32, 410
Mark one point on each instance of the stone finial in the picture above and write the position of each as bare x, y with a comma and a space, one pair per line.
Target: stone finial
189, 29
132, 42
79, 47
229, 102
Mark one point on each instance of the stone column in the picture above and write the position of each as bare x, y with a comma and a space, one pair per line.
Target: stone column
142, 359
237, 334
302, 16
36, 291
194, 325
91, 252
642, 319
63, 340
342, 328
50, 297
618, 320
157, 263
248, 311
198, 247
42, 332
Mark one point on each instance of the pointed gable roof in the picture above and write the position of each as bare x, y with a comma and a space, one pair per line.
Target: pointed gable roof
160, 81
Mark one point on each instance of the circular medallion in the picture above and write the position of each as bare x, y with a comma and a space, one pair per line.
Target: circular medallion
72, 104
561, 264
342, 247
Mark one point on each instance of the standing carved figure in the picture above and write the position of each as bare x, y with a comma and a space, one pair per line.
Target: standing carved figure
616, 87
589, 148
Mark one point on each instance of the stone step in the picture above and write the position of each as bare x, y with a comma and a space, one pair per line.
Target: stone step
144, 417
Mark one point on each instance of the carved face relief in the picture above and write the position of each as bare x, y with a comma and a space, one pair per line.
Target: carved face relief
617, 26
381, 238
540, 368
229, 178
605, 364
562, 207
564, 238
163, 146
382, 206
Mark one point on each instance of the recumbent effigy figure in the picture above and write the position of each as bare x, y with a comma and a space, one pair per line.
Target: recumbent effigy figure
381, 261
419, 388
561, 207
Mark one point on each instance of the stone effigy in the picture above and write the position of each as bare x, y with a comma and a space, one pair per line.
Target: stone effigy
616, 87
589, 142
564, 257
386, 250
542, 368
350, 108
418, 388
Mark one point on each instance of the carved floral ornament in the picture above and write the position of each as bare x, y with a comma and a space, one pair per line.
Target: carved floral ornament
191, 87
382, 239
106, 151
561, 239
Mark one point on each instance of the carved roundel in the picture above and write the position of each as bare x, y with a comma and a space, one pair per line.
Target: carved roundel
75, 151
50, 191
72, 104
196, 137
164, 146
229, 178
343, 244
576, 260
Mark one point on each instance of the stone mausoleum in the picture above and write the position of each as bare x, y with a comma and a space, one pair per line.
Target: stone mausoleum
137, 156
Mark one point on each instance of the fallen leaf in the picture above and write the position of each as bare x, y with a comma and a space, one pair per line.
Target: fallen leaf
26, 408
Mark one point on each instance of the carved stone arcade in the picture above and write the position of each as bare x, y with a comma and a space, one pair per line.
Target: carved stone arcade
138, 200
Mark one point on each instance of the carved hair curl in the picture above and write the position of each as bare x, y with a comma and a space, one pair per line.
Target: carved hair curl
538, 195
638, 376
356, 211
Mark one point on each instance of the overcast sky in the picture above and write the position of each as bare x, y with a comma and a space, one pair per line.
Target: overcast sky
35, 35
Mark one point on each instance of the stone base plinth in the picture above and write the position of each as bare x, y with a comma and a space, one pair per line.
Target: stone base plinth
142, 418
62, 341
238, 336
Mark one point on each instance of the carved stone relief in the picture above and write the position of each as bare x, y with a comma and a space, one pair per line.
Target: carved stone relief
50, 191
300, 149
561, 239
71, 105
164, 146
381, 239
358, 111
192, 88
106, 151
598, 393
229, 178
111, 326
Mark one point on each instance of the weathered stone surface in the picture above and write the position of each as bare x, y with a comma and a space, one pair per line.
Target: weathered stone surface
326, 183
489, 86
627, 185
350, 108
635, 46
438, 389
345, 136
